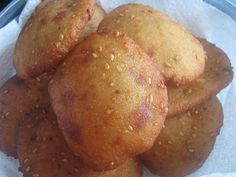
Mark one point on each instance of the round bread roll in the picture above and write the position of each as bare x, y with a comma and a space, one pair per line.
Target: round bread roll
43, 152
186, 141
51, 32
110, 100
217, 75
179, 56
17, 99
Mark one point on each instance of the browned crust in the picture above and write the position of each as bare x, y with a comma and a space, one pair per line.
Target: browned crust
17, 99
179, 56
218, 74
50, 33
43, 152
186, 141
109, 104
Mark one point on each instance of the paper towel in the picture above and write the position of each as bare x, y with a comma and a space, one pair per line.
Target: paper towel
202, 20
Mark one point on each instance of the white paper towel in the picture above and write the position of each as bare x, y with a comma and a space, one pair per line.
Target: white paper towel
202, 20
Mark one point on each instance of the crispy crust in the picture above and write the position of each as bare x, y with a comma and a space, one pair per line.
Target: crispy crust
218, 75
186, 141
43, 152
110, 100
17, 99
179, 56
50, 33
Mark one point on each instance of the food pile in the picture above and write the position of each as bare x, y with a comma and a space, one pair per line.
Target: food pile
97, 95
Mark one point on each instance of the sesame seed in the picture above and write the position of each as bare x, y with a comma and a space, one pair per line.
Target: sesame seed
28, 126
117, 33
112, 84
159, 142
151, 98
131, 128
121, 15
194, 135
168, 65
27, 169
196, 112
76, 170
94, 55
189, 114
177, 58
150, 81
107, 66
64, 160
112, 163
103, 75
169, 142
109, 111
166, 109
100, 48
25, 161
35, 175
35, 150
7, 114
189, 91
63, 153
112, 57
194, 127
38, 79
181, 133
58, 44
132, 16
61, 37
191, 150
5, 91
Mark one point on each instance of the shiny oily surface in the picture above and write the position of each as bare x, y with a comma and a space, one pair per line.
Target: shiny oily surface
17, 99
217, 75
186, 141
178, 55
110, 100
51, 32
43, 151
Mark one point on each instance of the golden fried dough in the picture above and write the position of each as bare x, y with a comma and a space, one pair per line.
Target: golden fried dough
51, 32
186, 141
17, 99
43, 152
179, 56
109, 99
218, 74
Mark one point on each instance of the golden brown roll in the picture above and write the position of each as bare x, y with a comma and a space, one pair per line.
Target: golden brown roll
51, 32
186, 141
179, 56
110, 100
217, 75
17, 99
43, 152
